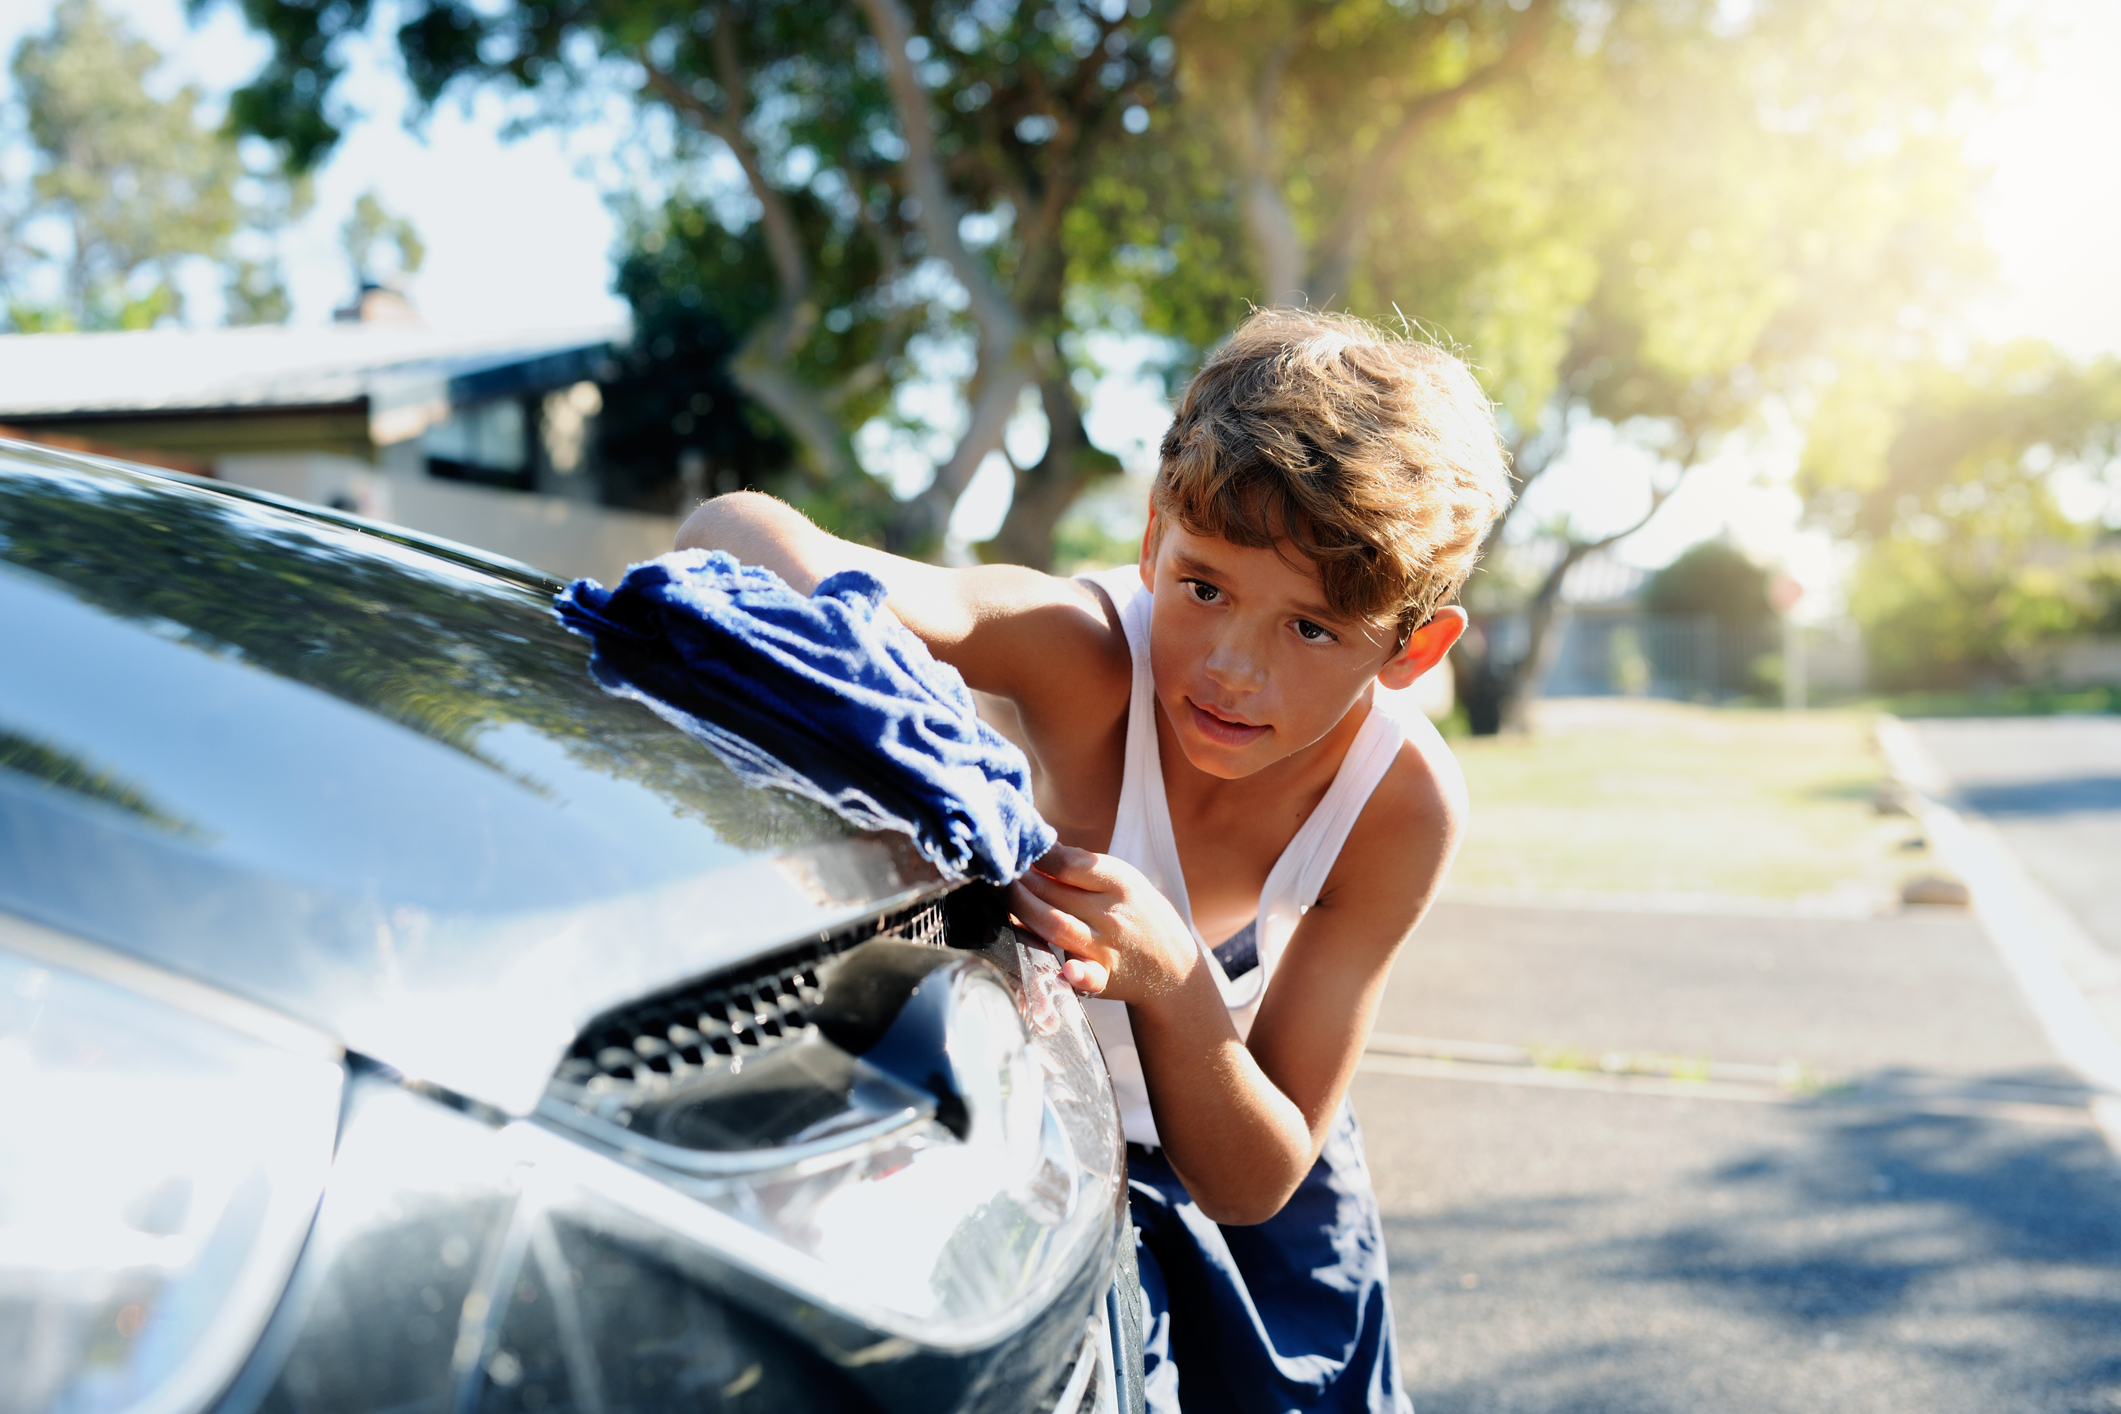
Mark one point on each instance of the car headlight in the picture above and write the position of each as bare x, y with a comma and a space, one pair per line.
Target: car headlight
157, 1176
943, 1196
990, 1054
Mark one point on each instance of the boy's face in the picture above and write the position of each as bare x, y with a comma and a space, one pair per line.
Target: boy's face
1251, 663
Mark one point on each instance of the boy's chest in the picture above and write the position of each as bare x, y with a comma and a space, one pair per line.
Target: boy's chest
1227, 844
1227, 848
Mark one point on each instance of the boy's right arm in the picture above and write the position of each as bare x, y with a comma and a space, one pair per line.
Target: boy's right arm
1047, 644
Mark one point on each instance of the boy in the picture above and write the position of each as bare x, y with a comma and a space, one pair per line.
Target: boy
1202, 736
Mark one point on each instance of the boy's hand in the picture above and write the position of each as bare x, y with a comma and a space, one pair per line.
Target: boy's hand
1122, 937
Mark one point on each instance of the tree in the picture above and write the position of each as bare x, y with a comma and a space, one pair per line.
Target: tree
1328, 107
383, 248
1659, 216
673, 399
1718, 582
1949, 477
909, 173
125, 188
1715, 579
254, 288
255, 292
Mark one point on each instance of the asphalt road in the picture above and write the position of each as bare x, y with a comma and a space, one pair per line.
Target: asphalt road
1735, 1164
2052, 786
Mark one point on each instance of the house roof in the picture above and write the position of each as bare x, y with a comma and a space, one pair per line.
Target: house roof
406, 378
1599, 580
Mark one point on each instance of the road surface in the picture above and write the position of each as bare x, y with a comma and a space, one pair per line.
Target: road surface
1735, 1164
2052, 786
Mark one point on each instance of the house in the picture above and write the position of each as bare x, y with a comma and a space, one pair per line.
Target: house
1602, 642
485, 439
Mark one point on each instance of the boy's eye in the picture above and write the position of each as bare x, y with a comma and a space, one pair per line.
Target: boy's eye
1205, 592
1313, 633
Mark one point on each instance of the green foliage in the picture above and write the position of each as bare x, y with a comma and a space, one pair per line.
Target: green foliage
256, 293
136, 183
1025, 102
1795, 189
131, 186
1965, 610
1656, 214
42, 761
1652, 211
1090, 542
369, 230
1947, 475
1158, 241
1715, 579
2018, 700
1720, 582
673, 394
288, 102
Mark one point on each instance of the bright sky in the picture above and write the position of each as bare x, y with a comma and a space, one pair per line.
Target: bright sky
518, 234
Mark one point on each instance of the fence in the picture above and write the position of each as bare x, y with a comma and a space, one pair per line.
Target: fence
1684, 656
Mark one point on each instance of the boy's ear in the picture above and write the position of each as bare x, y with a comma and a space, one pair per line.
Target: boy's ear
1424, 648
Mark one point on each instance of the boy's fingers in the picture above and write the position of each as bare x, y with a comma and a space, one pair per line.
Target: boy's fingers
1084, 976
1057, 892
1058, 858
1080, 868
1061, 929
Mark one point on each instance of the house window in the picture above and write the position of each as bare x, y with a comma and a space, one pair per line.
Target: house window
487, 442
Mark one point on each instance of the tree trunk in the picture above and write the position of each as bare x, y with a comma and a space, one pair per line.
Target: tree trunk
762, 370
1046, 489
1475, 681
1518, 685
1497, 695
918, 528
1005, 357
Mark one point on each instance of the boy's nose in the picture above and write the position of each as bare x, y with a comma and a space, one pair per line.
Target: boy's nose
1230, 664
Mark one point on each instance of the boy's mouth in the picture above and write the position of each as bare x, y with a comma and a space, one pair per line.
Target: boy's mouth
1226, 731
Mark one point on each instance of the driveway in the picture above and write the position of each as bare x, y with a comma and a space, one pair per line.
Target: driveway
2052, 787
1730, 1164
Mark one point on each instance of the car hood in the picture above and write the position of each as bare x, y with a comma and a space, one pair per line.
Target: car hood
368, 781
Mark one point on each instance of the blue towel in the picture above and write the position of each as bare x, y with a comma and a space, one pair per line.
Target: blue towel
817, 696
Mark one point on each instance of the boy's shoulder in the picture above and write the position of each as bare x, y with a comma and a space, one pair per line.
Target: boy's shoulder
1410, 827
1054, 648
1053, 645
1426, 769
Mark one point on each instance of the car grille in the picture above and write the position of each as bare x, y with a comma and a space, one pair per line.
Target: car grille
703, 1027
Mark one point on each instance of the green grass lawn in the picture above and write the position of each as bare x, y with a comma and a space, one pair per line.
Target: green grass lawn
1632, 796
2020, 701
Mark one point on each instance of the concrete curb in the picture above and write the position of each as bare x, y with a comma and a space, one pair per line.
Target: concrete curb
2071, 983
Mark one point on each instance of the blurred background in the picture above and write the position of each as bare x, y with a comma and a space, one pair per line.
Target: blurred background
1801, 314
1701, 1088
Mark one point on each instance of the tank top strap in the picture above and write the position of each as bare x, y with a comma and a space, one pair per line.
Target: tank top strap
1302, 870
1141, 827
1141, 835
1298, 877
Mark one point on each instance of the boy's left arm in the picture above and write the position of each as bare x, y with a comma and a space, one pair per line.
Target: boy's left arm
1315, 1020
1242, 1122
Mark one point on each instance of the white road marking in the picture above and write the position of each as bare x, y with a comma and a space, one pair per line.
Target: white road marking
1853, 901
2070, 1113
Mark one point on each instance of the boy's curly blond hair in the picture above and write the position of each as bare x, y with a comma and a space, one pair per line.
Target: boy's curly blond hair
1373, 456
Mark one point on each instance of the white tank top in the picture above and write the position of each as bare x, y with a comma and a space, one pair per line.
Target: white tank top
1141, 835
